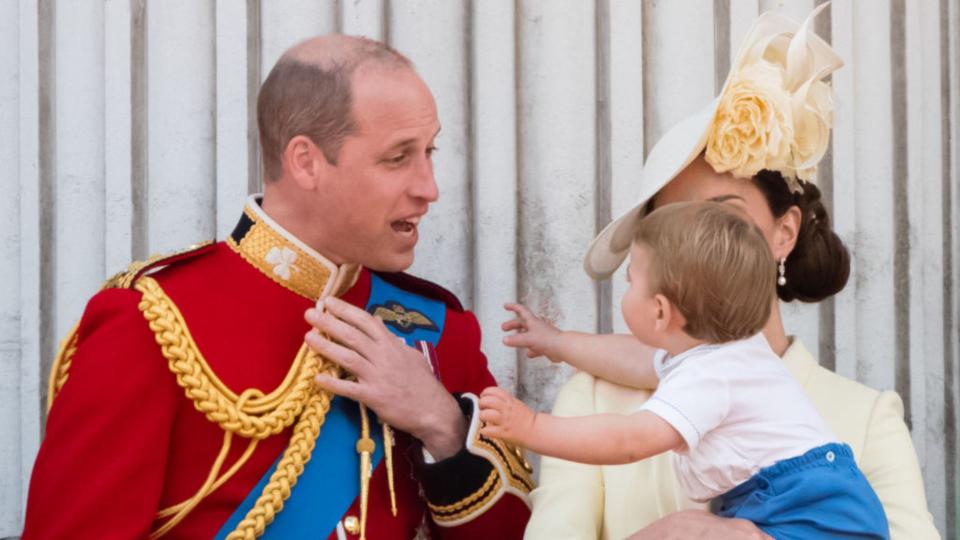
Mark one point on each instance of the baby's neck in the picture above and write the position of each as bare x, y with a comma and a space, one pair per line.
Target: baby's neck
681, 343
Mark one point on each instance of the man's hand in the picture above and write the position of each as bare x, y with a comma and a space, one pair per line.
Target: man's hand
538, 336
391, 378
504, 416
690, 524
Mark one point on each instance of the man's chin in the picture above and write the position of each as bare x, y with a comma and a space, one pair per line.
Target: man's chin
397, 262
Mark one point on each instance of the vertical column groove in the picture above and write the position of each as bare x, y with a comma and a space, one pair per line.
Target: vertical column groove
648, 108
138, 126
949, 290
338, 16
603, 157
387, 22
901, 218
827, 352
47, 170
214, 105
254, 48
471, 147
520, 254
721, 42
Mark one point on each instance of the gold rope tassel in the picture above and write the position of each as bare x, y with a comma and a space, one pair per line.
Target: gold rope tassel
365, 447
388, 454
212, 483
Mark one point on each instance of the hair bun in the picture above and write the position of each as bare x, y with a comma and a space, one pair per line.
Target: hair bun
819, 265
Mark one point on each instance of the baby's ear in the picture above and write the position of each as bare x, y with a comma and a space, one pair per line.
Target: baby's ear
667, 315
664, 313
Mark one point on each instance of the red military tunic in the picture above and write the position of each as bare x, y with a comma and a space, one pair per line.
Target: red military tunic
124, 439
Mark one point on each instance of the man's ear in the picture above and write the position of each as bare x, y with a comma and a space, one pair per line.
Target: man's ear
304, 162
785, 231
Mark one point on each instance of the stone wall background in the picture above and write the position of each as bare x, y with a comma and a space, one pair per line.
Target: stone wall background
126, 128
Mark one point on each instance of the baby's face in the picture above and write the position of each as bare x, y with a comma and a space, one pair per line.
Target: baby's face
640, 308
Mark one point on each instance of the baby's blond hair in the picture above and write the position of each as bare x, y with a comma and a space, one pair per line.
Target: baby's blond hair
713, 265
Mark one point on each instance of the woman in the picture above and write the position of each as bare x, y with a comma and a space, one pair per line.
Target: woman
755, 147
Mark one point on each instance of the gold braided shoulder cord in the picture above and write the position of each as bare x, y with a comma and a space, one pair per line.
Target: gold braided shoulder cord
60, 370
251, 415
261, 416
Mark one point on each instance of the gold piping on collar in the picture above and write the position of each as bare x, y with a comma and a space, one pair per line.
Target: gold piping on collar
277, 257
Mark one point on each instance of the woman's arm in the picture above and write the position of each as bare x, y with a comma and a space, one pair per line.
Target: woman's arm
619, 358
599, 439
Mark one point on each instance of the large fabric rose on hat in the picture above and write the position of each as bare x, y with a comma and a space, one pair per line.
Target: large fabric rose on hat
753, 126
775, 110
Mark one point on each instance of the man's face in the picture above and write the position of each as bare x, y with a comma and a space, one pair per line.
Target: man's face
373, 200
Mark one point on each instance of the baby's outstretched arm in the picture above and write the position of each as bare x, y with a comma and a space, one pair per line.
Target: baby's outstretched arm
599, 439
620, 358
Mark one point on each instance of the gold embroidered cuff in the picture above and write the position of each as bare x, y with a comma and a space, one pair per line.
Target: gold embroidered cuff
486, 469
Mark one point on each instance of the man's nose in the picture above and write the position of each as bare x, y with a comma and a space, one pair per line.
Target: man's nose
425, 185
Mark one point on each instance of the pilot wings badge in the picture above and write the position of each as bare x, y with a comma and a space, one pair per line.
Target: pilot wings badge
403, 319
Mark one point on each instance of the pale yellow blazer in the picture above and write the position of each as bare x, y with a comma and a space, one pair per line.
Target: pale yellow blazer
612, 502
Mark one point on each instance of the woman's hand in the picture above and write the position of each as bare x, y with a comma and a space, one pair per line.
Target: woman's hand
504, 416
688, 524
538, 336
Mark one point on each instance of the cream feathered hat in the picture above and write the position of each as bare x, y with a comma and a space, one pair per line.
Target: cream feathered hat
774, 113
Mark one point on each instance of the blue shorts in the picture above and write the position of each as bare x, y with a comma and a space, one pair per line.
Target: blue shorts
821, 494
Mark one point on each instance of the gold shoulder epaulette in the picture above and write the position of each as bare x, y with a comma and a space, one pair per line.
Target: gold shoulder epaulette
126, 278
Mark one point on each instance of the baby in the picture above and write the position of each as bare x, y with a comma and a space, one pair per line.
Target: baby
741, 429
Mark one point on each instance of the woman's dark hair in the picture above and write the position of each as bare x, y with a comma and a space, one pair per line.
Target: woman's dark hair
819, 265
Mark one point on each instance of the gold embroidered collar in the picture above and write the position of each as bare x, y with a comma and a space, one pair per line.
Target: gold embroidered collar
285, 259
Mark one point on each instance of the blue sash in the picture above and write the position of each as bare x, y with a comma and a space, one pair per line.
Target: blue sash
331, 479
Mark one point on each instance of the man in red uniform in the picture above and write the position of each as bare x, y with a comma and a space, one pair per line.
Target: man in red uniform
194, 401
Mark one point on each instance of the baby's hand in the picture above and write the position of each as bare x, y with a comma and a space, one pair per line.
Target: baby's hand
538, 336
504, 416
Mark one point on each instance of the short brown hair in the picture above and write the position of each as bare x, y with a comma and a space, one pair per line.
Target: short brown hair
314, 99
714, 267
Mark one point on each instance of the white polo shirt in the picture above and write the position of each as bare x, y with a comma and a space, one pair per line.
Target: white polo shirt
738, 410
